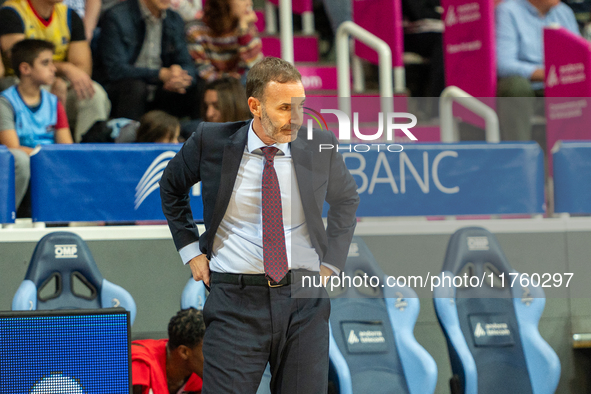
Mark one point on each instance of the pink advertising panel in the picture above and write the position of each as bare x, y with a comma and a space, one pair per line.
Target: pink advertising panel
382, 18
305, 48
568, 87
469, 46
298, 6
469, 52
260, 24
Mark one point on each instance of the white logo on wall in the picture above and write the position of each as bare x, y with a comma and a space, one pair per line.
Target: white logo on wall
463, 13
151, 177
451, 19
312, 82
478, 243
479, 331
66, 251
352, 338
566, 74
552, 77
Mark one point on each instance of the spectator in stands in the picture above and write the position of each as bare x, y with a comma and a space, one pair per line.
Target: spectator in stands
171, 365
225, 101
155, 126
144, 57
87, 102
520, 58
225, 43
89, 11
29, 115
423, 30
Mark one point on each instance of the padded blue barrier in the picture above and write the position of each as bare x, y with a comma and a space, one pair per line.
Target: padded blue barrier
62, 274
101, 182
372, 345
492, 330
7, 203
448, 179
119, 182
572, 176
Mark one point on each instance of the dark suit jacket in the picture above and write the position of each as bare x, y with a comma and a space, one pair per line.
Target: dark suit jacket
121, 39
212, 155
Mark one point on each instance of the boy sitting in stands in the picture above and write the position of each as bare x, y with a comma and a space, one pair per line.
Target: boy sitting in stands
173, 365
29, 115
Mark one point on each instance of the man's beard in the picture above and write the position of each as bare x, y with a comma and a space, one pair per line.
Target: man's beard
277, 133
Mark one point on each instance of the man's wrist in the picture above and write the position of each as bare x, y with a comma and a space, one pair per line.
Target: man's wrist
189, 252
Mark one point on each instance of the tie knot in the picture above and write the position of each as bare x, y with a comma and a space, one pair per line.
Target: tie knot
269, 152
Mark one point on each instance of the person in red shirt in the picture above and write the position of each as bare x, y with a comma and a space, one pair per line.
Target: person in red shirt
173, 365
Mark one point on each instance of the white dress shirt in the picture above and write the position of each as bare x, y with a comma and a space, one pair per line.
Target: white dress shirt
238, 242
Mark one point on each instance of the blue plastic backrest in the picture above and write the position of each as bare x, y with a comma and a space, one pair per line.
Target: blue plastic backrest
194, 295
419, 367
393, 358
65, 255
466, 314
113, 296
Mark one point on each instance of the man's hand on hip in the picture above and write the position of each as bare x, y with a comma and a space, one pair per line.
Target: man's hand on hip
200, 268
325, 274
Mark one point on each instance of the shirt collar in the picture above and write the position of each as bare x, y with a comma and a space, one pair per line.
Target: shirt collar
255, 143
533, 10
146, 14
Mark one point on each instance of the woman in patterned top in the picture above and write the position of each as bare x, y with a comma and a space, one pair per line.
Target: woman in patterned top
225, 42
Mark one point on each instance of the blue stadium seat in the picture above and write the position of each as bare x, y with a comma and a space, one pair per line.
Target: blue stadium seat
194, 296
492, 330
372, 346
62, 274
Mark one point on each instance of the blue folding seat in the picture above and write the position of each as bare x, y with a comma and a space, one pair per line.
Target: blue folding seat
62, 274
372, 345
491, 328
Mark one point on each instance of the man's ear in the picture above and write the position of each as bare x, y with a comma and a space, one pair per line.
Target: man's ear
184, 352
24, 68
255, 106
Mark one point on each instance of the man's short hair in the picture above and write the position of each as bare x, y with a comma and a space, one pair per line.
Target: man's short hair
270, 69
26, 51
186, 328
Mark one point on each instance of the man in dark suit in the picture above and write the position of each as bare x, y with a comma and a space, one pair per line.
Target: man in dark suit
143, 61
263, 189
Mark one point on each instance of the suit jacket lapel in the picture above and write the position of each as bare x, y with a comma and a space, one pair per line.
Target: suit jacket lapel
231, 159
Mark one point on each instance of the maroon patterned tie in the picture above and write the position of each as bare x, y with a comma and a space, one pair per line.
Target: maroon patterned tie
274, 252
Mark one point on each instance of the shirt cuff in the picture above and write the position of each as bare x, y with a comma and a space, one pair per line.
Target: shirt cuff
189, 252
333, 268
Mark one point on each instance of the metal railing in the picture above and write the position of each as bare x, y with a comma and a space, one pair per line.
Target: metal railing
350, 29
449, 130
286, 26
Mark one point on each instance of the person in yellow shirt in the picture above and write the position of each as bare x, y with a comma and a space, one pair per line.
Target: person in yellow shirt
85, 100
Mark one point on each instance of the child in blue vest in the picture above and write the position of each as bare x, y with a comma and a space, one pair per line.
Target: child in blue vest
29, 115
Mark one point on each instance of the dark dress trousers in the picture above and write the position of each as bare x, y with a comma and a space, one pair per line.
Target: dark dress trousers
248, 326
